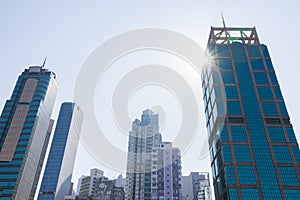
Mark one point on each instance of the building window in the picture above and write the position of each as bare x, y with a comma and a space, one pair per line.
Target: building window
238, 134
225, 64
236, 120
282, 154
272, 120
231, 92
288, 176
242, 153
257, 64
250, 193
234, 108
269, 108
246, 175
265, 92
276, 134
228, 77
261, 78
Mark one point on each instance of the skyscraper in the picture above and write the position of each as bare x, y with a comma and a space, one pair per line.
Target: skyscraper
143, 136
60, 164
24, 132
253, 149
153, 166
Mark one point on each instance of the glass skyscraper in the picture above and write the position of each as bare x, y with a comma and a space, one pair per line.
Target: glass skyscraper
25, 129
253, 149
60, 164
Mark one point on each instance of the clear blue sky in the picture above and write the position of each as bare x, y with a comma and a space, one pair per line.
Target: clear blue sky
68, 31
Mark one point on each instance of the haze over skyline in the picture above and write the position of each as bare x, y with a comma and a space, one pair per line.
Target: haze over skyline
67, 32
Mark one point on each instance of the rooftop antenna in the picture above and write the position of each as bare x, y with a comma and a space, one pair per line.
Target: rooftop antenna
225, 29
44, 62
223, 20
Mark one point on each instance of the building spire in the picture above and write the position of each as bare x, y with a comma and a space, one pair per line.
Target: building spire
44, 62
223, 21
225, 29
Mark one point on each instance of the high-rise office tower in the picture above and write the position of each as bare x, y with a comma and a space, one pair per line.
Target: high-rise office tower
24, 132
143, 136
166, 172
254, 152
43, 154
60, 164
153, 166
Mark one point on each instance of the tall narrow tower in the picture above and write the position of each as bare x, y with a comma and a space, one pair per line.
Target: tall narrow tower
153, 166
254, 153
143, 136
60, 164
24, 133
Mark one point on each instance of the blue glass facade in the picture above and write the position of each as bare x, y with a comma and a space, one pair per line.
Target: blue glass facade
25, 129
57, 177
254, 153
